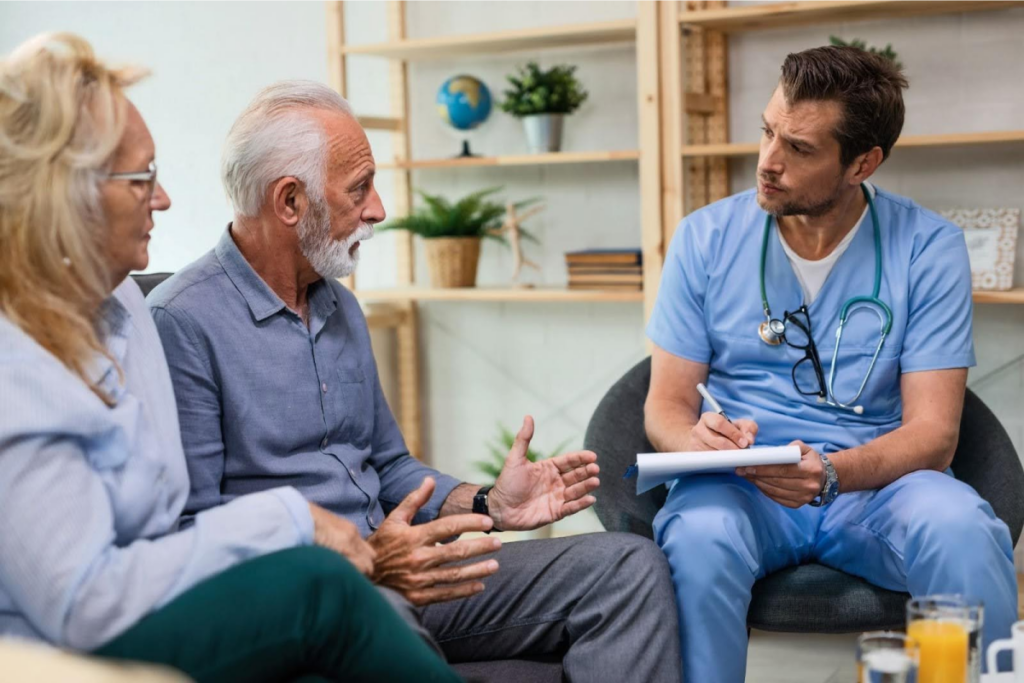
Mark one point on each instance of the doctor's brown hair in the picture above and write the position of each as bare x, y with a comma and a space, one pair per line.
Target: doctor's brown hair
868, 87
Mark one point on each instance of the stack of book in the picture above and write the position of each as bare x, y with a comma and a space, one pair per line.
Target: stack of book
609, 269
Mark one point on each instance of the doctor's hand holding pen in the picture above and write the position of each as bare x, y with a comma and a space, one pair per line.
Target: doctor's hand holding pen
716, 432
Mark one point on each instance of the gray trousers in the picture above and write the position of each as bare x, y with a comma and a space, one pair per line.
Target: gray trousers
603, 602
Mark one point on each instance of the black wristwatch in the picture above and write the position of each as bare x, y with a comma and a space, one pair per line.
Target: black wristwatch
480, 506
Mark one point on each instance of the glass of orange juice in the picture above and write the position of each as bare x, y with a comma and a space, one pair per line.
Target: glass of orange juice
944, 626
886, 657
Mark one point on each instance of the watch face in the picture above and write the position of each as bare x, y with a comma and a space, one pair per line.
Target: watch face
833, 490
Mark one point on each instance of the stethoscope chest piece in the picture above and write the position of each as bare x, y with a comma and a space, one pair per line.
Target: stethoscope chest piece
771, 331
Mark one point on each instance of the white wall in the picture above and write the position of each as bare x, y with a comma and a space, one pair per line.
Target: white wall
486, 363
207, 60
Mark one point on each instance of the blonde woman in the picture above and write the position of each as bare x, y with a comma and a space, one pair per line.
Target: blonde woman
92, 475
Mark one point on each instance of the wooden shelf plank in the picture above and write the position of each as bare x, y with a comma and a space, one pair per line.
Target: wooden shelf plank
808, 12
518, 160
381, 123
573, 35
1010, 296
731, 149
383, 316
529, 295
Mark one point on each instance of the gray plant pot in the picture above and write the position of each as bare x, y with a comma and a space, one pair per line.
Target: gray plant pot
543, 132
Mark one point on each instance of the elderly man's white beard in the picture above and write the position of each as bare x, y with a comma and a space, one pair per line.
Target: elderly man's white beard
329, 257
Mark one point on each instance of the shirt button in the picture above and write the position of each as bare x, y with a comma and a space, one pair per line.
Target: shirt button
323, 444
352, 472
323, 387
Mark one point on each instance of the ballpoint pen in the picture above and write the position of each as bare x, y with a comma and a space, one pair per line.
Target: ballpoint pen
703, 390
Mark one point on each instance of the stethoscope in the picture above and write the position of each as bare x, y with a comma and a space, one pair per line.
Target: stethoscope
773, 331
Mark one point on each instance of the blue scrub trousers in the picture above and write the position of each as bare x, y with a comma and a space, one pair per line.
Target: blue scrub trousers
925, 533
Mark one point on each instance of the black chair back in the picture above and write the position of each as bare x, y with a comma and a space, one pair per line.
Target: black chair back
148, 281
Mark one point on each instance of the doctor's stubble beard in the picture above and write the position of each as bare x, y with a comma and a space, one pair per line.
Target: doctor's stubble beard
330, 258
813, 208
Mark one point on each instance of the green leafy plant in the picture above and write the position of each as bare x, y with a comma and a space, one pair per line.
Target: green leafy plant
491, 467
887, 52
475, 215
534, 91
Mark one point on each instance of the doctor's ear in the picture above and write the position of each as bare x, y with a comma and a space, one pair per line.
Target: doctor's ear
864, 166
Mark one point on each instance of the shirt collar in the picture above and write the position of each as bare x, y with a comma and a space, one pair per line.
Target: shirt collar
112, 326
261, 298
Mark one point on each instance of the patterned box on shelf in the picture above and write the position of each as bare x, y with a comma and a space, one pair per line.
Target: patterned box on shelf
992, 244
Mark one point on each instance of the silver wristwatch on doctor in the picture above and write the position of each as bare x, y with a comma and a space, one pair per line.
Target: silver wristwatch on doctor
829, 489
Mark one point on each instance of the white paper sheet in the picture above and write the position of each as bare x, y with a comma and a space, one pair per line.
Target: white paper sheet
658, 468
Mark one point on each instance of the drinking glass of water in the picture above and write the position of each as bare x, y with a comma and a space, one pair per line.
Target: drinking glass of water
886, 657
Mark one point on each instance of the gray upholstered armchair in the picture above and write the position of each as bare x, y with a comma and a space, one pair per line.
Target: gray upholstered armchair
809, 598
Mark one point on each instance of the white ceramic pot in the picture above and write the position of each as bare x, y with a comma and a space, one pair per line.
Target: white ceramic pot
543, 132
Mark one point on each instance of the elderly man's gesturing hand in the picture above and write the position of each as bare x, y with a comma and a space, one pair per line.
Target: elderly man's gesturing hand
529, 495
411, 561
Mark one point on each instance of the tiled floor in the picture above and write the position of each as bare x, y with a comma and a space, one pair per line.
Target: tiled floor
801, 658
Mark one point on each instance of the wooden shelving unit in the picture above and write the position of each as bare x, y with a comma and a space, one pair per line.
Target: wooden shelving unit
574, 35
401, 302
383, 316
695, 85
523, 295
1011, 296
553, 158
736, 149
684, 148
809, 12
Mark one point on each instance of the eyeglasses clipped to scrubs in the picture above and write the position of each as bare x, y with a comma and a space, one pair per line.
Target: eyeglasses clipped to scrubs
795, 328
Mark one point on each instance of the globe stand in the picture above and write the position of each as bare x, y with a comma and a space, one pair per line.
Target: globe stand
466, 153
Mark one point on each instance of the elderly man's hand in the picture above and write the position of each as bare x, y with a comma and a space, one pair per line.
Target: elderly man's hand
411, 561
529, 495
341, 536
790, 485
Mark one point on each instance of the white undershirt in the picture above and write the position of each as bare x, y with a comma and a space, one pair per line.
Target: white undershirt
812, 274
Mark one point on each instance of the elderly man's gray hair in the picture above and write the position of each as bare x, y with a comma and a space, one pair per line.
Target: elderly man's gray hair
276, 136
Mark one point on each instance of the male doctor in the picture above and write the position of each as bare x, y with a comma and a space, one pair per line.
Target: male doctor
754, 289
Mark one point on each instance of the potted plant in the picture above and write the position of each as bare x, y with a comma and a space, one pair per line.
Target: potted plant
887, 52
452, 234
541, 99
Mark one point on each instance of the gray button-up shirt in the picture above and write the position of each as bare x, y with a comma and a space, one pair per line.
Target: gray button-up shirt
264, 401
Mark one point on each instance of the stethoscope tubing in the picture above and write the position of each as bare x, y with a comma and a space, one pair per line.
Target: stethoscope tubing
873, 302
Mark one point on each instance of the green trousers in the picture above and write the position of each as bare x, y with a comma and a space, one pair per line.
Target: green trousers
304, 613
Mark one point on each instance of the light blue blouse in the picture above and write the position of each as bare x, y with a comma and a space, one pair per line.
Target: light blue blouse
90, 495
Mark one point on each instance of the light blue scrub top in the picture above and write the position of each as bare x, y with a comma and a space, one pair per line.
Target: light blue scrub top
709, 307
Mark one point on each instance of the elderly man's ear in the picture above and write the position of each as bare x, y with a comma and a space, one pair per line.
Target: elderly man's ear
289, 200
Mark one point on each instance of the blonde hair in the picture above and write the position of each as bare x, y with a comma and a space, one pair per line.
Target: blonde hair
62, 116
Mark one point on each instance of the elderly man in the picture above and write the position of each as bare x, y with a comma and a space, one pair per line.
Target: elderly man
276, 385
853, 344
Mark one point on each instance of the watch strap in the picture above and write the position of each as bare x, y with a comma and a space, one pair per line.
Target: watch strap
829, 485
480, 506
